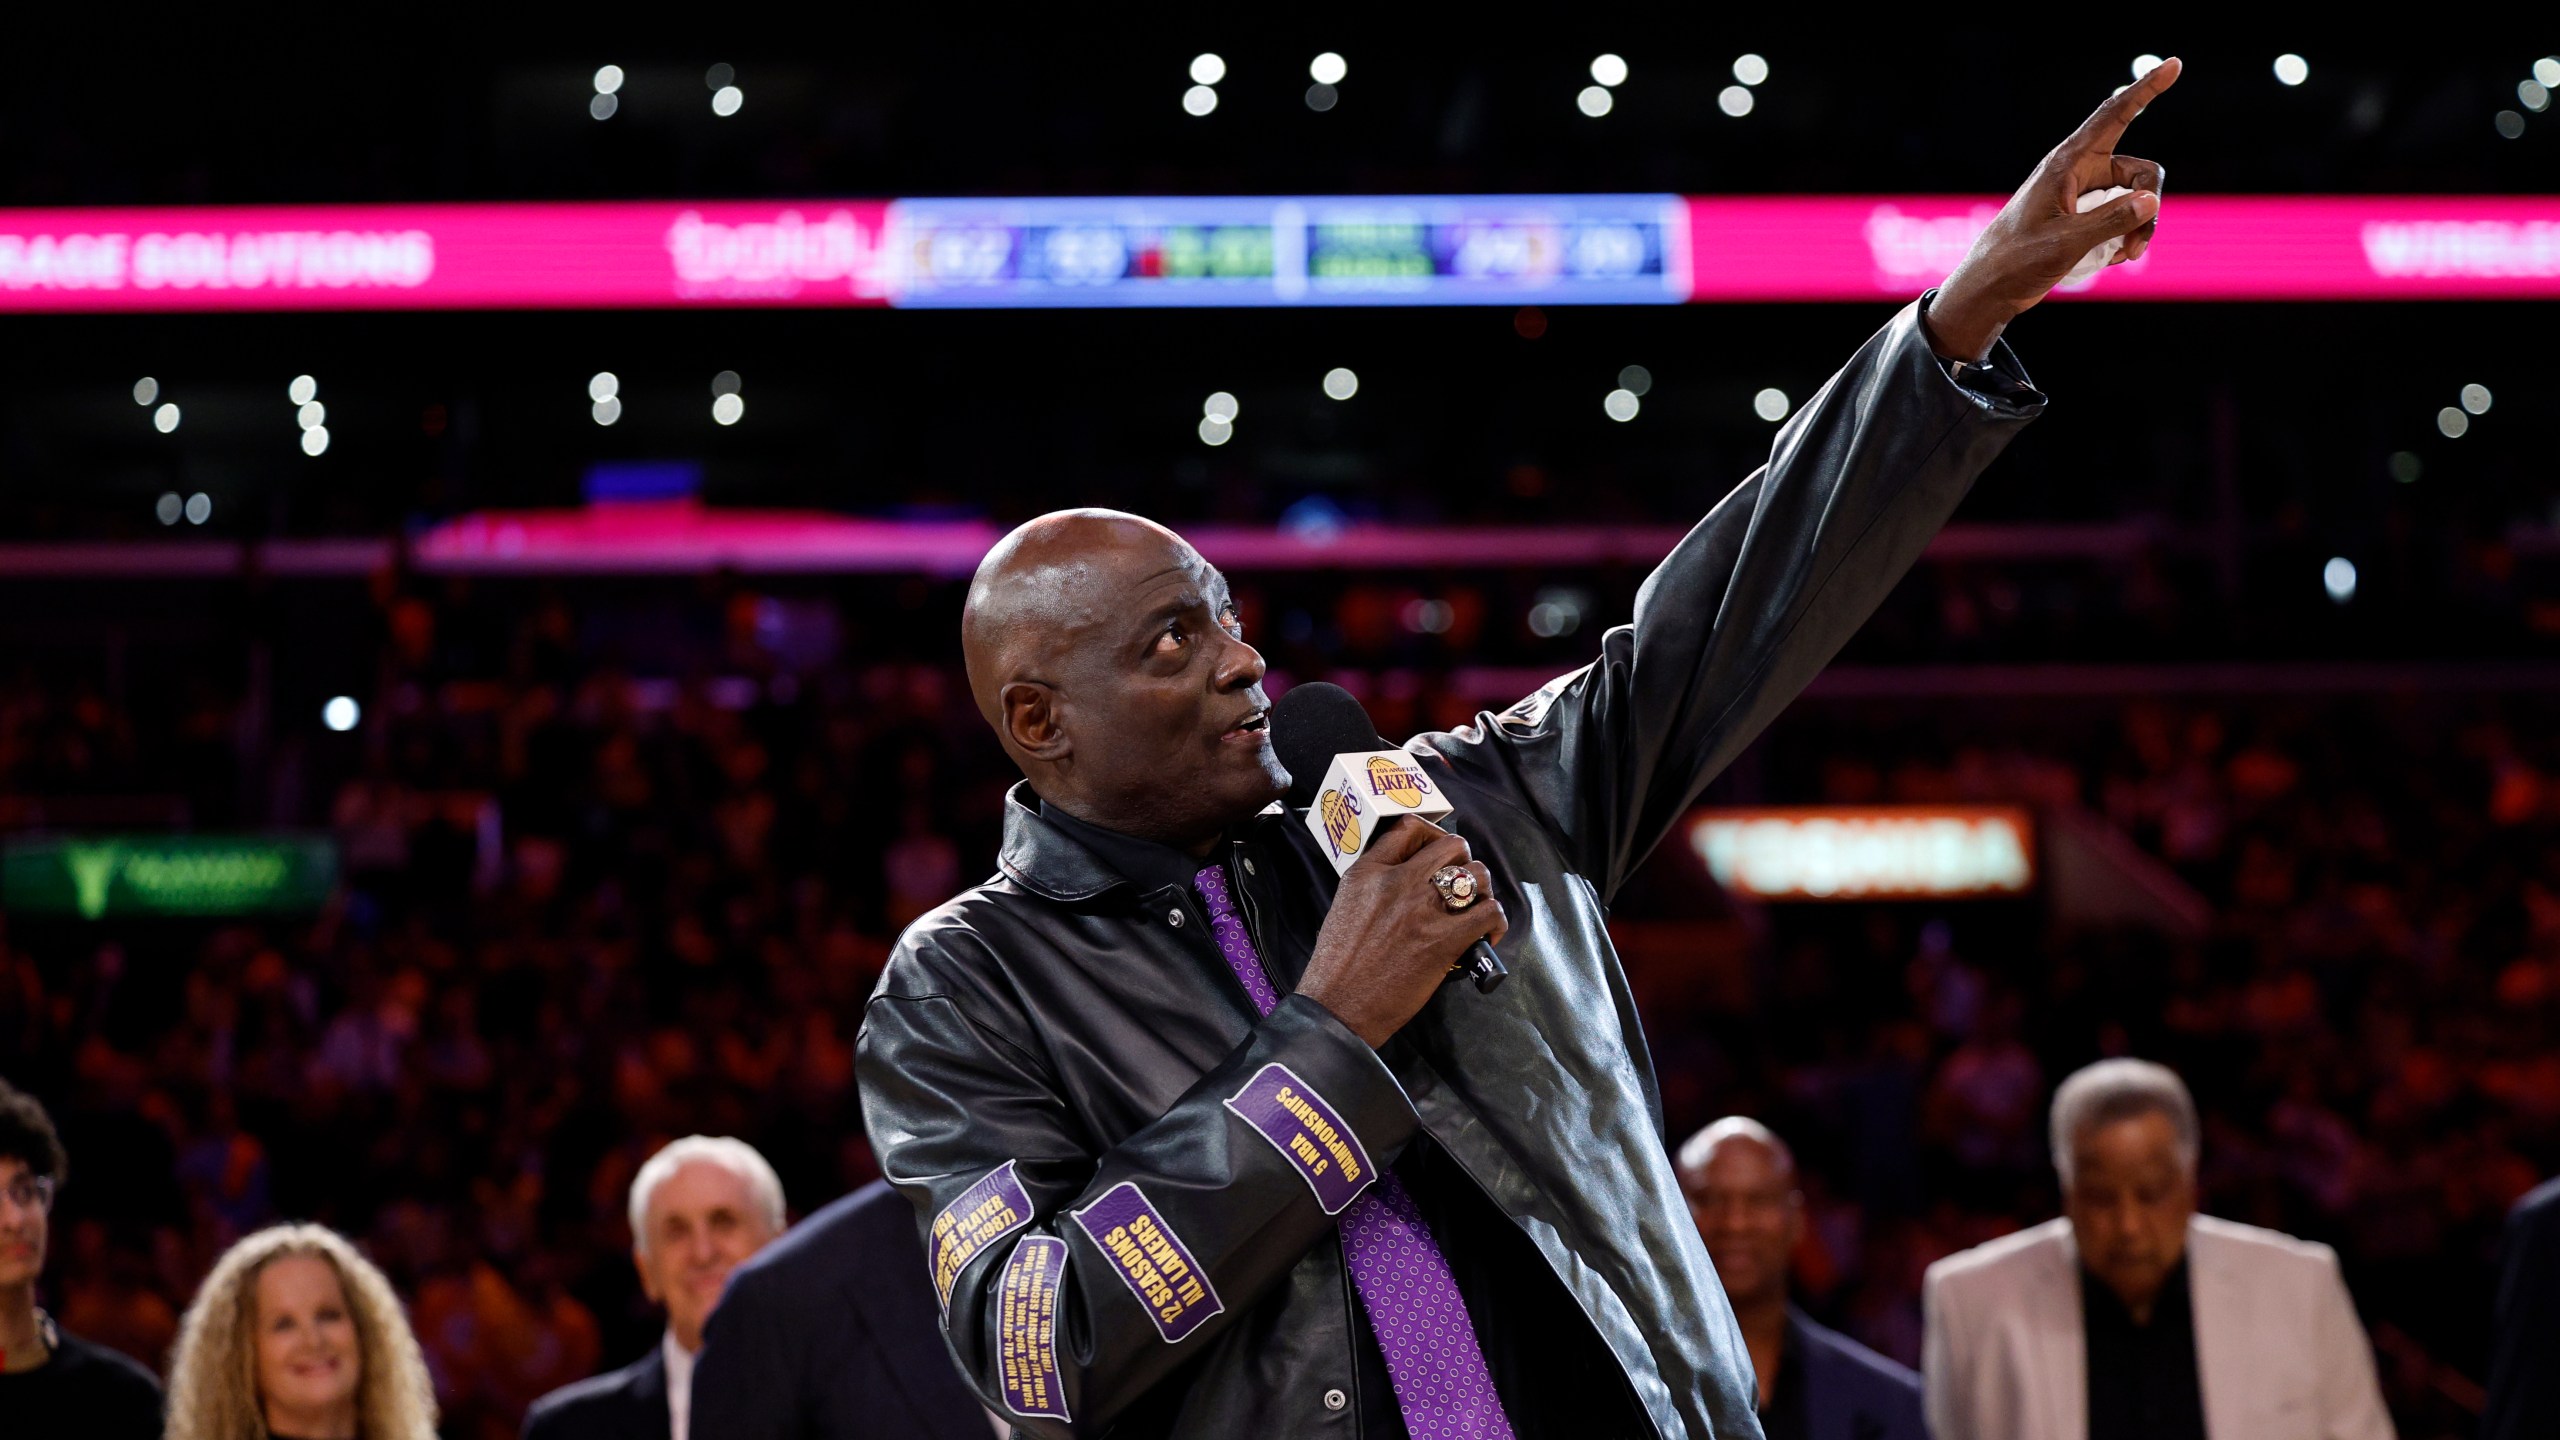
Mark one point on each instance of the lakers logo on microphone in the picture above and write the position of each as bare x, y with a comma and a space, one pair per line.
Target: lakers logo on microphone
1341, 811
1391, 779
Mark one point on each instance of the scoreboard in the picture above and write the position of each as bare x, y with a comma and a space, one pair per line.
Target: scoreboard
1386, 250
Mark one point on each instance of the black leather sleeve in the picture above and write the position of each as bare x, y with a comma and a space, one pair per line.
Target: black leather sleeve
950, 1099
1753, 602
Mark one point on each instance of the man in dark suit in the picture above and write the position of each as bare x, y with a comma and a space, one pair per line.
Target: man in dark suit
833, 1334
699, 1209
1815, 1383
2524, 1384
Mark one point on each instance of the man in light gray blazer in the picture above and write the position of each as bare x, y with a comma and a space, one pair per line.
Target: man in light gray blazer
2133, 1315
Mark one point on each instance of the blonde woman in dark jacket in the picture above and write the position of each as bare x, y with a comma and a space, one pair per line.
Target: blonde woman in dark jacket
295, 1336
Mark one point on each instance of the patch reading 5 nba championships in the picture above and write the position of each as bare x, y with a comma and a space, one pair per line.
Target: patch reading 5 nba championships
1027, 1327
1306, 1132
982, 1215
1400, 782
1150, 1260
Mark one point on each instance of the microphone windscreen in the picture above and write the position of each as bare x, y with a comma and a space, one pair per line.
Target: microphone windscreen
1312, 723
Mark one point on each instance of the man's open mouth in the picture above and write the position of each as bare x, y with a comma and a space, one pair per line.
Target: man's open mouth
1253, 724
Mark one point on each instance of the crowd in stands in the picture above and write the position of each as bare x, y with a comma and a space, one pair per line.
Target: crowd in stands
588, 909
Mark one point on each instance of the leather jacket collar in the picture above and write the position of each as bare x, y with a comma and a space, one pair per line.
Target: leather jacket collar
1044, 859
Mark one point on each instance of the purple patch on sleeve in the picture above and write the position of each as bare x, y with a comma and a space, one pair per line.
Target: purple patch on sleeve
1150, 1259
973, 1222
1308, 1134
1027, 1327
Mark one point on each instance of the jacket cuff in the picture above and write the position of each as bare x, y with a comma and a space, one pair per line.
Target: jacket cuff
1999, 383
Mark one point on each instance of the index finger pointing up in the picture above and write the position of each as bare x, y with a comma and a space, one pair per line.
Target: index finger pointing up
2106, 124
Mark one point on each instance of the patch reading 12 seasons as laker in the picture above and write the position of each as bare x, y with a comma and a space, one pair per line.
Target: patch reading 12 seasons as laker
1150, 1260
1307, 1133
982, 1214
1027, 1327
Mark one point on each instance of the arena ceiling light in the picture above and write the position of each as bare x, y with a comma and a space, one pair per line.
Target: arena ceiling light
1635, 380
1341, 384
341, 713
2338, 577
727, 404
1207, 69
2475, 398
1609, 70
165, 419
2144, 64
309, 415
607, 99
1771, 405
1620, 405
2292, 69
199, 508
1734, 100
605, 389
1327, 71
145, 390
169, 508
726, 97
1594, 101
2510, 124
1218, 418
1750, 69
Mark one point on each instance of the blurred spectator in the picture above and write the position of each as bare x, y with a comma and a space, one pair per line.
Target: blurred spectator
2524, 1369
2134, 1318
1815, 1383
834, 1331
52, 1382
699, 1208
295, 1336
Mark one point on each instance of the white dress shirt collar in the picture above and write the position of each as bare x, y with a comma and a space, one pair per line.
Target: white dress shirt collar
679, 1384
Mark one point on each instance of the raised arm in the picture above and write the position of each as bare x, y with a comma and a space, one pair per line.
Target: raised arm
1765, 590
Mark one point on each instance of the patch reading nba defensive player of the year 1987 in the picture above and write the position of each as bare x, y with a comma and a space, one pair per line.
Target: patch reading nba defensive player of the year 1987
1150, 1259
1282, 1109
975, 1220
1027, 1327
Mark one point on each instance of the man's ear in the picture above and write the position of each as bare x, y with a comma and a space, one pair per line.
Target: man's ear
1029, 712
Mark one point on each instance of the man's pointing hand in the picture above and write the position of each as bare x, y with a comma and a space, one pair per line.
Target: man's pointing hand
2040, 234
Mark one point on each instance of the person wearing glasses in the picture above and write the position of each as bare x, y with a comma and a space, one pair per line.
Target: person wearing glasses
51, 1382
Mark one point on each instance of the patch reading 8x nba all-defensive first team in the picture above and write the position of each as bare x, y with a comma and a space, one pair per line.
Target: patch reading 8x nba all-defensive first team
1307, 1133
1027, 1327
1150, 1260
983, 1214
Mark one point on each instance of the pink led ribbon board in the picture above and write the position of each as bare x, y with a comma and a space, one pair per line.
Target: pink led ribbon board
2212, 247
1225, 251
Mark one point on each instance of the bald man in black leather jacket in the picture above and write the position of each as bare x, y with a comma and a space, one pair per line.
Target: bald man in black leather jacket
1058, 1066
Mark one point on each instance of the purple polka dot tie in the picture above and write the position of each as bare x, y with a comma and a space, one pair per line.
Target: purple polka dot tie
1412, 1300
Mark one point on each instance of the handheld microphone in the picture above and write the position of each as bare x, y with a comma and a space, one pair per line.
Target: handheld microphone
1351, 786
